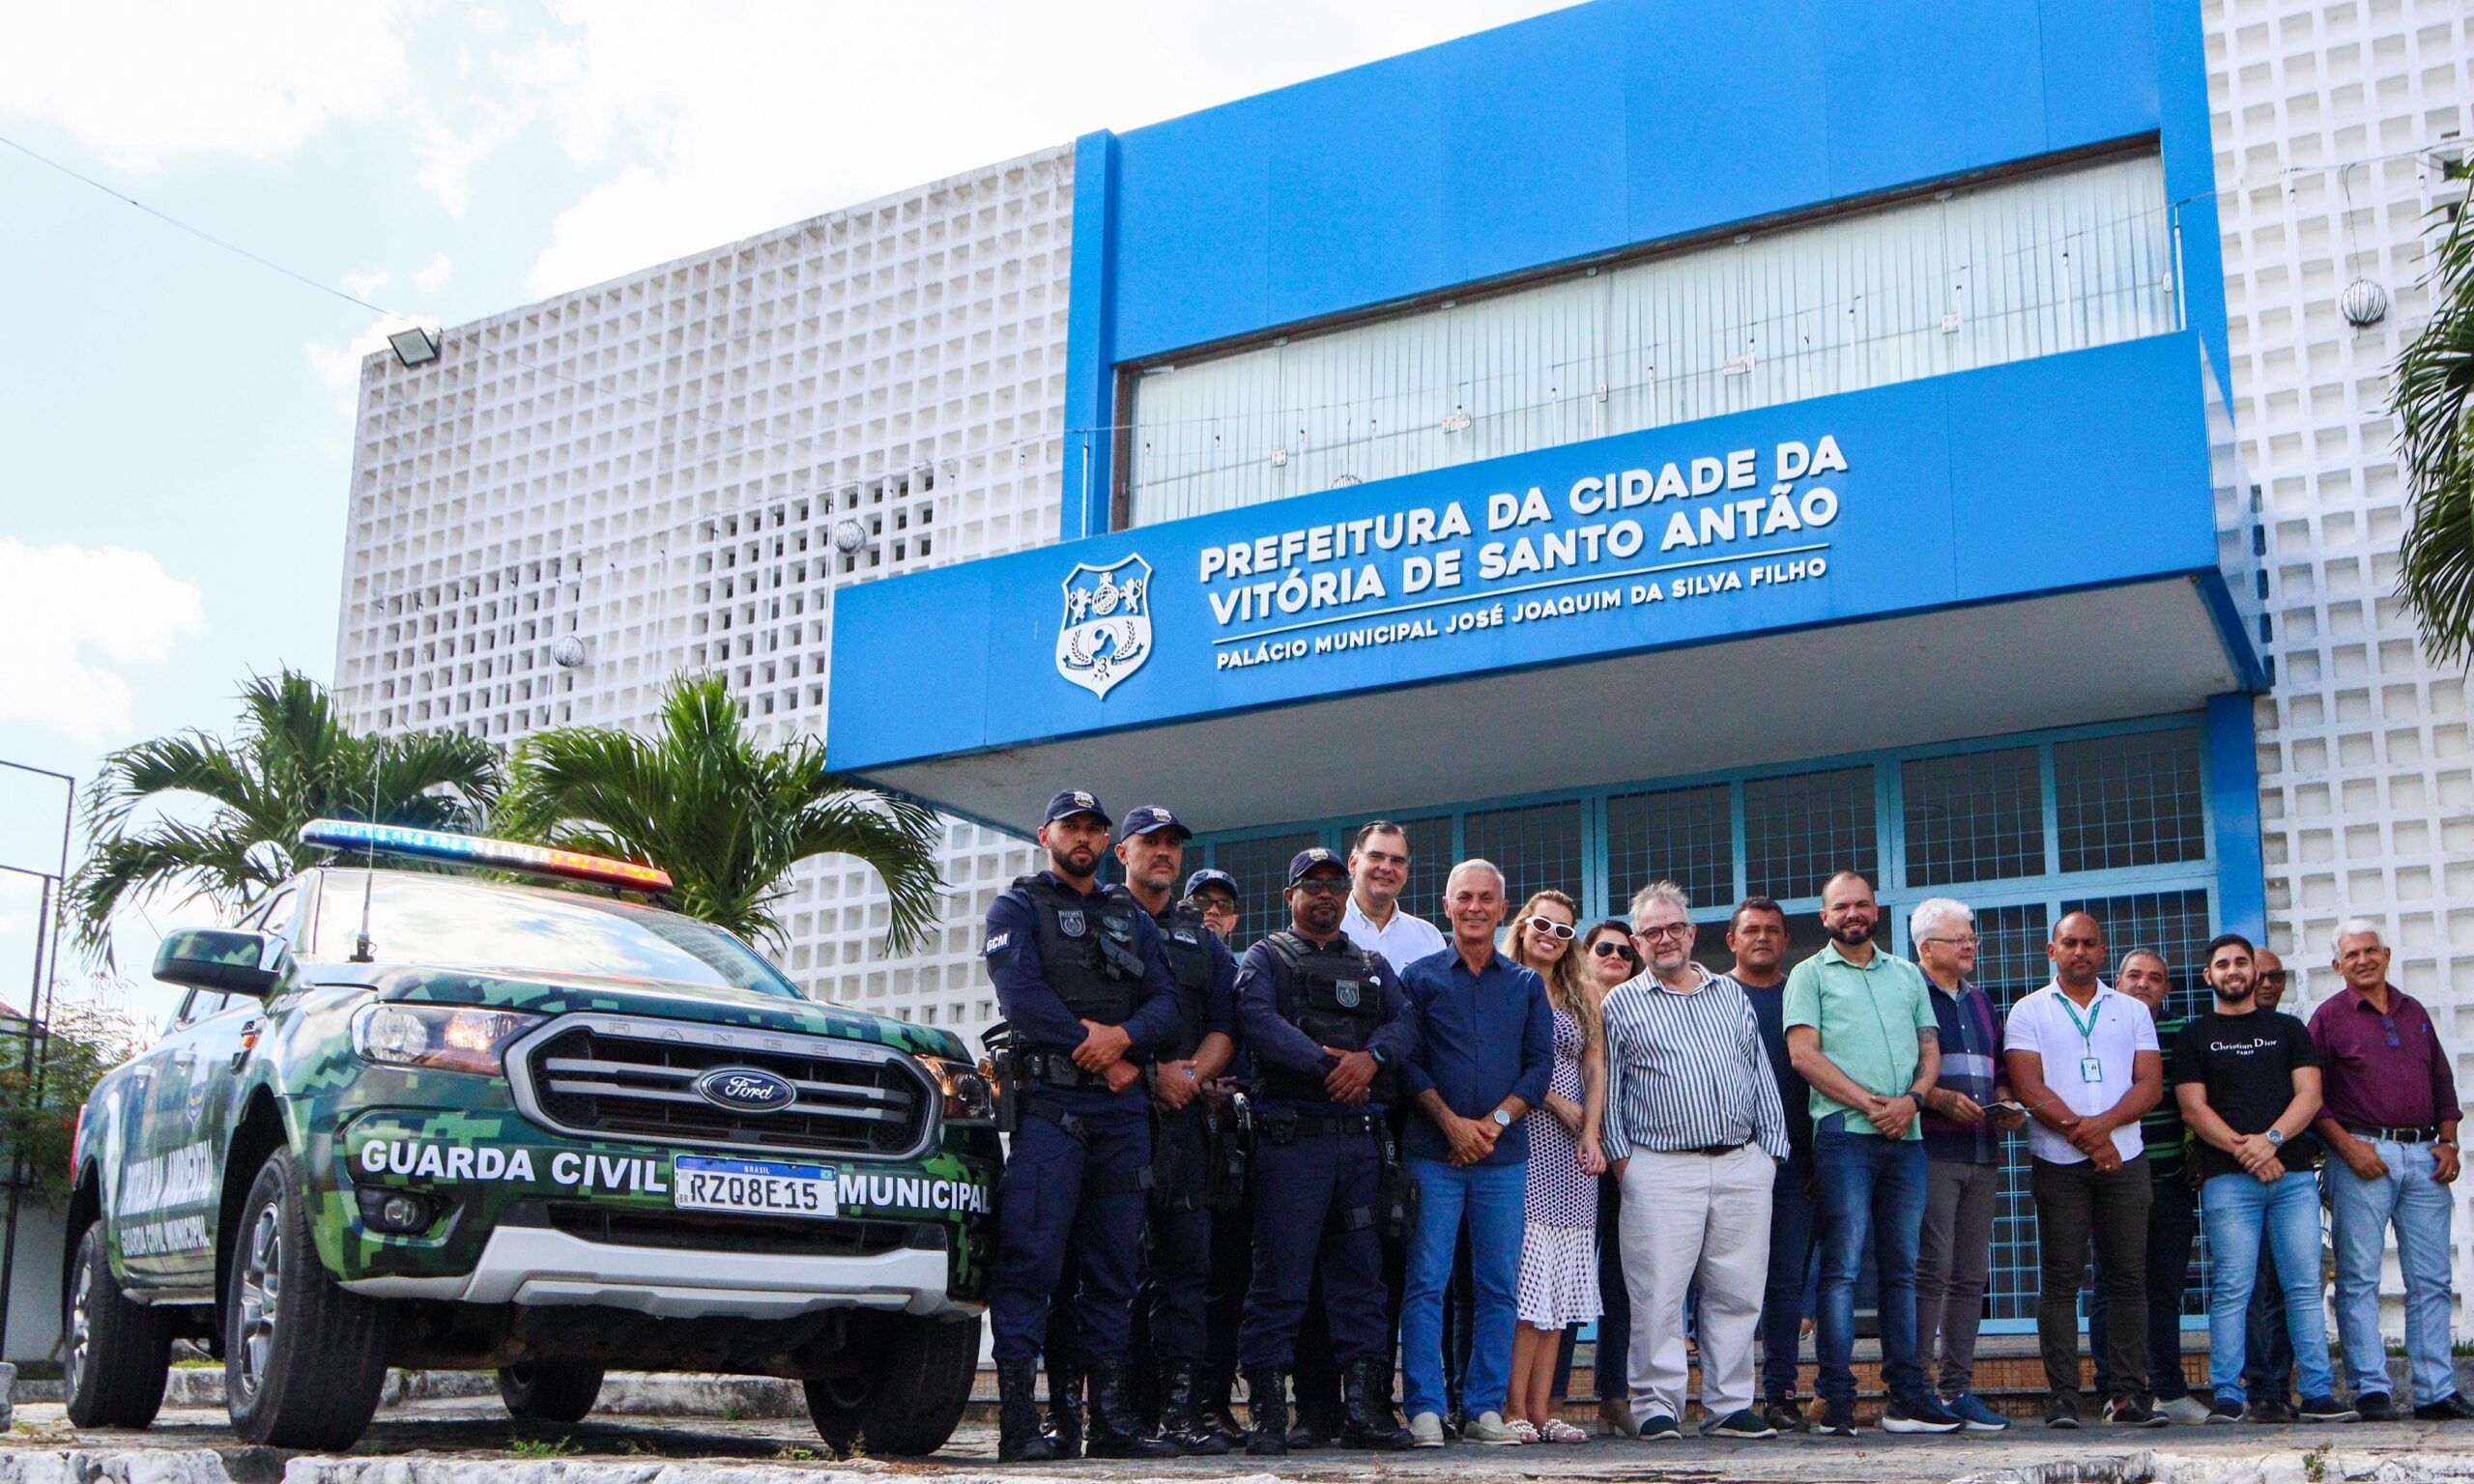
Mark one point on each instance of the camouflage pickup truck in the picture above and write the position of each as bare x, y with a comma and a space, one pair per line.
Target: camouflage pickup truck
412, 1113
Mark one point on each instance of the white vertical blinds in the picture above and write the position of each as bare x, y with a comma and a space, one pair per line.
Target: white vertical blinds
2030, 267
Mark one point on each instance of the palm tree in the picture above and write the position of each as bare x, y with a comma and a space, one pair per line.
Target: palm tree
2435, 379
293, 762
727, 818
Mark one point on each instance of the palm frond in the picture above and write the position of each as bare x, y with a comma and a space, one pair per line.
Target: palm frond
2435, 440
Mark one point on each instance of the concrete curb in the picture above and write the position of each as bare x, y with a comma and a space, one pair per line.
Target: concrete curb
199, 1466
624, 1394
2283, 1465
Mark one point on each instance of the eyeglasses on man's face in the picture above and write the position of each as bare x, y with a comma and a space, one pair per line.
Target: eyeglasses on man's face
1551, 927
1660, 931
1216, 906
1324, 886
1956, 940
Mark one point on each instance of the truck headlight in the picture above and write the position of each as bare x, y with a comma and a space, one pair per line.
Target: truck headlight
445, 1038
969, 1097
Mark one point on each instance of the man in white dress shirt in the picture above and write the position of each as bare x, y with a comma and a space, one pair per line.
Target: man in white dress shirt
1378, 872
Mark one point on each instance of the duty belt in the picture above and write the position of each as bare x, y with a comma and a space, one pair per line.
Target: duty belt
2378, 1134
1333, 1125
1057, 1069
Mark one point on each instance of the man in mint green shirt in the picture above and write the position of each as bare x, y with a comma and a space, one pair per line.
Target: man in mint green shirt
1861, 1030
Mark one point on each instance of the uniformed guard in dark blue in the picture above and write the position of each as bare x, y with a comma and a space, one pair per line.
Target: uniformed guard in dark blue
1215, 894
1151, 846
1324, 1023
1083, 982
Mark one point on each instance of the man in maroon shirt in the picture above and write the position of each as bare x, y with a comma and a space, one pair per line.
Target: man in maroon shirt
2388, 1115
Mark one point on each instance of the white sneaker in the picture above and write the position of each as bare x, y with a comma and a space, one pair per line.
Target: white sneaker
1426, 1431
1489, 1427
2188, 1411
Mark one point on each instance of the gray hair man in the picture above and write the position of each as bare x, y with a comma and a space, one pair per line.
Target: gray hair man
1966, 1112
1694, 1130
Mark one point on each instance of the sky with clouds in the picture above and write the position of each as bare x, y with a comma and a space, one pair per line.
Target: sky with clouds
176, 422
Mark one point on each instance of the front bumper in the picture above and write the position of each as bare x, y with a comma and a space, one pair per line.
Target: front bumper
531, 1265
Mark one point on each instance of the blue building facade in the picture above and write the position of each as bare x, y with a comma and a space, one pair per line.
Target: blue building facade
1721, 440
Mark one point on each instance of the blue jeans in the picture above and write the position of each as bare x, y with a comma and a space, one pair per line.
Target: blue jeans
1872, 1193
2363, 1210
1495, 1199
1782, 1300
2241, 1214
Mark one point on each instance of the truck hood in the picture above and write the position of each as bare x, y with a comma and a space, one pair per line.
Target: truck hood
658, 999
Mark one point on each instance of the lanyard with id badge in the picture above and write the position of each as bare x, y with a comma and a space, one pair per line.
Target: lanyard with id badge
2091, 1070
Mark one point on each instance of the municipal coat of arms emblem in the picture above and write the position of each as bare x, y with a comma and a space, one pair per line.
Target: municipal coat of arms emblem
1105, 634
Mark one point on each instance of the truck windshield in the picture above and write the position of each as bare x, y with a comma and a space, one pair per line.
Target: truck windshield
456, 922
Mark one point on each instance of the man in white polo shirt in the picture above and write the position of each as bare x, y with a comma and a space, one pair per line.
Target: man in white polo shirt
2082, 1056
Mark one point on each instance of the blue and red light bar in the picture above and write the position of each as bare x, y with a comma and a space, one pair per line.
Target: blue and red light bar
474, 850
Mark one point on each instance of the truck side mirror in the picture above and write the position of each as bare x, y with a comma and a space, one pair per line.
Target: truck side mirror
221, 959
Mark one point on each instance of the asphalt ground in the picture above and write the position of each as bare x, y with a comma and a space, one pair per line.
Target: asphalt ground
478, 1429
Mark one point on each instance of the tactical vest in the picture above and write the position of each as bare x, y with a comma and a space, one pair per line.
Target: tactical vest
1087, 951
1190, 965
1331, 995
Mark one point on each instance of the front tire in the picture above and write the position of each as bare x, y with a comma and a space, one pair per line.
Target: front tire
550, 1390
117, 1353
907, 1396
302, 1360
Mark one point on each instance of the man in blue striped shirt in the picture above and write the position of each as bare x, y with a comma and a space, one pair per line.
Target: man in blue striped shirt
1694, 1129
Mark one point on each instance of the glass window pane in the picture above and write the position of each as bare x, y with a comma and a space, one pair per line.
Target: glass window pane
1261, 869
1799, 832
1538, 846
1979, 817
1685, 836
2129, 801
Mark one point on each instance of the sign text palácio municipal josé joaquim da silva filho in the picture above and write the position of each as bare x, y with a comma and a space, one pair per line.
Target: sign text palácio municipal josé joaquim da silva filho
1728, 522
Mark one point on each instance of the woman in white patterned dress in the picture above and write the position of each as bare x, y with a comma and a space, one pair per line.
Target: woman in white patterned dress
1559, 1248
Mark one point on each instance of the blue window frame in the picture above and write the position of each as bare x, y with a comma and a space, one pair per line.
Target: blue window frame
2111, 821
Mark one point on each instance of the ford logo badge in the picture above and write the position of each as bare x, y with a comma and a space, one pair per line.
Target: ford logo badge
746, 1090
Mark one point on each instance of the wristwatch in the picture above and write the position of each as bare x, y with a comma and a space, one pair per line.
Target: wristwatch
2276, 1136
1380, 1060
1503, 1119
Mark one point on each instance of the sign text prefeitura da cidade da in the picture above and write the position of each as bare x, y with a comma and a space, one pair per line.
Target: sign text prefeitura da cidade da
1623, 539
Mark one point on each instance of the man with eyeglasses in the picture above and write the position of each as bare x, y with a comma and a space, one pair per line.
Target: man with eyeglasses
1966, 1111
1693, 1125
2173, 1220
1862, 1030
2389, 1114
1757, 938
1214, 895
1324, 1023
1485, 1050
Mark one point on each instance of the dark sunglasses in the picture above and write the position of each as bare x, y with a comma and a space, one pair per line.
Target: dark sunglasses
1608, 948
1323, 886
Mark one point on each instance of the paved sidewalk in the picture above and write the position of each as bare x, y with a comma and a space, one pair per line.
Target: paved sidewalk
457, 1435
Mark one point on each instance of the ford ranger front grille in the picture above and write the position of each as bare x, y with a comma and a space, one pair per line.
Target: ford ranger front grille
627, 1078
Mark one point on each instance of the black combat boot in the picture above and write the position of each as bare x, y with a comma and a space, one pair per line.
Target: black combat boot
1267, 1403
1115, 1431
1181, 1415
1065, 1407
1019, 1438
1371, 1423
1212, 1405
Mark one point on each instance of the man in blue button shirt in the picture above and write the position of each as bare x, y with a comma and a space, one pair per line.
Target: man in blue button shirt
1083, 977
1485, 1049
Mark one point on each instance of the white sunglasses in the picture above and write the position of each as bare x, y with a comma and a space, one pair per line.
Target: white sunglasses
1548, 926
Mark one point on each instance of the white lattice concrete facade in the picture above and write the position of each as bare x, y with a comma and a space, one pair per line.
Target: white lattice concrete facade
2335, 128
587, 495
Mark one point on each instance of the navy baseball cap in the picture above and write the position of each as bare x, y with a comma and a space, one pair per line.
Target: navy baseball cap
1151, 819
1307, 860
1074, 801
1202, 879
